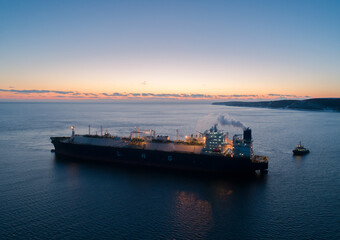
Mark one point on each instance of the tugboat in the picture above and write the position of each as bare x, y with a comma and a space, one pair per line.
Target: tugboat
300, 150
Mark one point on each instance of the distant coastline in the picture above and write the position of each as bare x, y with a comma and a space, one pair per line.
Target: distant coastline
313, 104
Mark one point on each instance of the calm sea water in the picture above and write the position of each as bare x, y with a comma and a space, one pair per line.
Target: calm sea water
42, 197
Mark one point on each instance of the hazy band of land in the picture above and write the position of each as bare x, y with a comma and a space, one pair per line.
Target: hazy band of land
317, 104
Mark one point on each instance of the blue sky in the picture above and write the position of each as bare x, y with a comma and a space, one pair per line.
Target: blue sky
203, 47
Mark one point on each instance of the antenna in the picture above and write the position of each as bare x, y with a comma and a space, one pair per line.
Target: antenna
101, 130
199, 132
89, 129
177, 135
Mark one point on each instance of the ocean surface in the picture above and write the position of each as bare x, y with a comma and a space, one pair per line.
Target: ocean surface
42, 197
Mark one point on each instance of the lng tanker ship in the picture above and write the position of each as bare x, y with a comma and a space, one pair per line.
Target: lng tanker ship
211, 151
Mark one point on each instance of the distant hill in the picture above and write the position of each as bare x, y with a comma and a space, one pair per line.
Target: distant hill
316, 104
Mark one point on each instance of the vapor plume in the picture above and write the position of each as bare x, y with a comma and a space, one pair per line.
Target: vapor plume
221, 120
224, 120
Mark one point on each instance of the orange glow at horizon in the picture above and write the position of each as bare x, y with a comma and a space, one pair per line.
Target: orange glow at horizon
173, 76
11, 94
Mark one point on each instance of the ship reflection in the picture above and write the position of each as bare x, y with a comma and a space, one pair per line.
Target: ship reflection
68, 169
222, 192
192, 216
196, 212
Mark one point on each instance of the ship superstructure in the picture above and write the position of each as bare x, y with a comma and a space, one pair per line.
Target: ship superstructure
214, 141
243, 146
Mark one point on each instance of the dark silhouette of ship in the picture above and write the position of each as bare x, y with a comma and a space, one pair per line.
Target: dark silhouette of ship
210, 152
300, 150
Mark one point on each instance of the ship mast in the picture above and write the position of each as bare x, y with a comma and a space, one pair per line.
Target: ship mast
72, 127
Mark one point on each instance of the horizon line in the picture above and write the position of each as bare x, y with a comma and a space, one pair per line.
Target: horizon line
38, 94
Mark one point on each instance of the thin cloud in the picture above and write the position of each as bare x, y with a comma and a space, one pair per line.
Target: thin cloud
90, 94
31, 93
35, 91
274, 95
148, 94
115, 94
283, 95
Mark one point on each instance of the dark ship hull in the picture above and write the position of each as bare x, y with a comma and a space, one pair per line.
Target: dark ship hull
300, 150
300, 153
161, 159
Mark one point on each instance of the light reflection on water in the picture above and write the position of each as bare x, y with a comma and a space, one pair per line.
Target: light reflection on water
193, 214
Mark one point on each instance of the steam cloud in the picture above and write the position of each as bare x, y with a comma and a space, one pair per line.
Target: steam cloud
209, 120
226, 120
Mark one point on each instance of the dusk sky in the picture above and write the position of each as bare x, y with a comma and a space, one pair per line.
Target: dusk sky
169, 49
